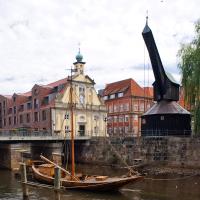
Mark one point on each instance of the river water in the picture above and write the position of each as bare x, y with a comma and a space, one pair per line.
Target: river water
182, 189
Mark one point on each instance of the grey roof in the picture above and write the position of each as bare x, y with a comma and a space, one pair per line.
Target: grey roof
166, 107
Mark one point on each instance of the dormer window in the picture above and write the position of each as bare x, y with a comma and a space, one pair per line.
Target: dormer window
112, 96
105, 97
120, 94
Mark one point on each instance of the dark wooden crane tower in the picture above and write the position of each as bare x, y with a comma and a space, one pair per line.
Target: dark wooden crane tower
166, 117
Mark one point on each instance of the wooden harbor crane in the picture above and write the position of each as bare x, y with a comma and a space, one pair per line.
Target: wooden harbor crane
166, 117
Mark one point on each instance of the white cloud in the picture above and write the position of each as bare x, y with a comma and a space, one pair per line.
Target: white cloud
39, 39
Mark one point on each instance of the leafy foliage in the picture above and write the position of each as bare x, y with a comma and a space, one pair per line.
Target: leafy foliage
189, 65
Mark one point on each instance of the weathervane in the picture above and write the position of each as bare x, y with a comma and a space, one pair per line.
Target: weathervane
147, 17
79, 47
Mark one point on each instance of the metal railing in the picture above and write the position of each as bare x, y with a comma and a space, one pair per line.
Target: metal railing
154, 133
123, 134
28, 135
164, 133
87, 134
25, 133
17, 135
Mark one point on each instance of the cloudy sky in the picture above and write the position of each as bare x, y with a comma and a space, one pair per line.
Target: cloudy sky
39, 39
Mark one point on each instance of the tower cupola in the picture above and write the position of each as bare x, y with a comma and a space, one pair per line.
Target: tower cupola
79, 57
79, 64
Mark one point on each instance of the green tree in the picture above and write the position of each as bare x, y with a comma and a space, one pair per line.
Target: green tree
189, 65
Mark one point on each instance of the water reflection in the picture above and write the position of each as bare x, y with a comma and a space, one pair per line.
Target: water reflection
72, 195
187, 189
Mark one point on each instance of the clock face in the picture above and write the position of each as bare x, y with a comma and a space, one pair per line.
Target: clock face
82, 99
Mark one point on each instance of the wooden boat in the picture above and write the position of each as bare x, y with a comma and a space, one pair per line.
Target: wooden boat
44, 173
69, 180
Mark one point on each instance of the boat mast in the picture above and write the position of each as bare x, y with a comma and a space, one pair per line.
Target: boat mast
72, 128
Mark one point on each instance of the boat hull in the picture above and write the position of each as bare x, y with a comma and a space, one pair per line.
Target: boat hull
110, 184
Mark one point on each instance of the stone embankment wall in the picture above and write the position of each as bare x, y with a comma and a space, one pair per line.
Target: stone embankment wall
12, 154
5, 152
171, 151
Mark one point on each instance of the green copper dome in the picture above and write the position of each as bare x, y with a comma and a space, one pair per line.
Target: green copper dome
79, 57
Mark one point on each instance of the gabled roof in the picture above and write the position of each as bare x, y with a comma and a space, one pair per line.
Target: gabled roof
27, 94
86, 76
136, 90
57, 83
128, 86
115, 87
92, 80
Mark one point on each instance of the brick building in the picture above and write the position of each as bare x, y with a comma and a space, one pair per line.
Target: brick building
46, 107
31, 109
126, 101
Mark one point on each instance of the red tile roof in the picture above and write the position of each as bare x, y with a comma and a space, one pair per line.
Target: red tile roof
136, 90
50, 85
148, 91
128, 86
26, 94
23, 97
57, 83
115, 87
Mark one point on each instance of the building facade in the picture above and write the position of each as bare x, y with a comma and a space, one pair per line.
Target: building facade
126, 101
47, 107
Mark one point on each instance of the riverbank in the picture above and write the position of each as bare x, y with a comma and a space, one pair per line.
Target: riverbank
146, 170
168, 171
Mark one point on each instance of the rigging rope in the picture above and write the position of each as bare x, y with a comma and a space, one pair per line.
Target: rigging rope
132, 171
144, 76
